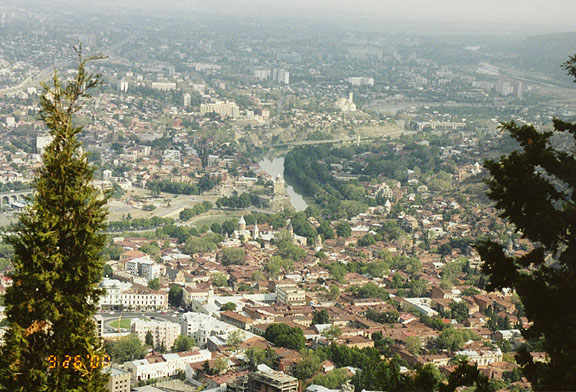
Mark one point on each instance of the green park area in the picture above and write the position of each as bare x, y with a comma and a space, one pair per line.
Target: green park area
125, 324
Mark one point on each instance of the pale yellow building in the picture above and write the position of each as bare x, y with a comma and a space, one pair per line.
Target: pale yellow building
119, 380
162, 331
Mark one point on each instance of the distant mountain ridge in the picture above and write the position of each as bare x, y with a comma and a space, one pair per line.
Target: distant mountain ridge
543, 53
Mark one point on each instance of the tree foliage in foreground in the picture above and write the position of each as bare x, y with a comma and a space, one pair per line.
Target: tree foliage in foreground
57, 263
535, 189
468, 375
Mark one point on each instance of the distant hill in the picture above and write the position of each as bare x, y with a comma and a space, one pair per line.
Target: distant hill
543, 53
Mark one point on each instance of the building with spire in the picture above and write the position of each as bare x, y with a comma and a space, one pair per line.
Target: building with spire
246, 233
255, 231
347, 104
241, 224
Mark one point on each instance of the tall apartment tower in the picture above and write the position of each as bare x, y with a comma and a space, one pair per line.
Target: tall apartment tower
280, 75
187, 98
518, 89
123, 85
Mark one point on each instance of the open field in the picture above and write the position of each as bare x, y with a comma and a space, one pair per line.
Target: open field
167, 206
215, 217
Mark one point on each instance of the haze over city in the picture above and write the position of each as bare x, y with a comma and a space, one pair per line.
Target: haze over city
290, 195
488, 17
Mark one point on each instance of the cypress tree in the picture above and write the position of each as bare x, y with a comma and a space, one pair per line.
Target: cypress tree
57, 242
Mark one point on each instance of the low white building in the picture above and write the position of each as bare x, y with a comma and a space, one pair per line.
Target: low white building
122, 295
361, 81
422, 305
165, 365
210, 304
482, 357
202, 326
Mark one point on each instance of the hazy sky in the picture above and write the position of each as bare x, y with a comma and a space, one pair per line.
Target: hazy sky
552, 15
555, 14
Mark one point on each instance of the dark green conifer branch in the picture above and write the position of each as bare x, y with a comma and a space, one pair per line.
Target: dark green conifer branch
535, 189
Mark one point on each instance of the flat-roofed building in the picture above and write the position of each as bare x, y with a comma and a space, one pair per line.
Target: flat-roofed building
162, 331
202, 326
119, 380
124, 295
290, 294
264, 381
166, 365
236, 319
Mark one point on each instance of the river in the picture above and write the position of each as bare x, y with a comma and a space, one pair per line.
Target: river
274, 167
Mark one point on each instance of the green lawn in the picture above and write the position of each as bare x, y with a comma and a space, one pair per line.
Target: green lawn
217, 218
125, 323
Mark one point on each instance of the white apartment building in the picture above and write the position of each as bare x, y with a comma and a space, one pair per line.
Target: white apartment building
361, 81
262, 74
187, 99
201, 67
481, 357
224, 109
290, 294
164, 86
136, 300
121, 294
10, 121
208, 303
165, 365
42, 142
151, 270
123, 85
134, 266
162, 331
171, 154
145, 267
280, 75
202, 326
